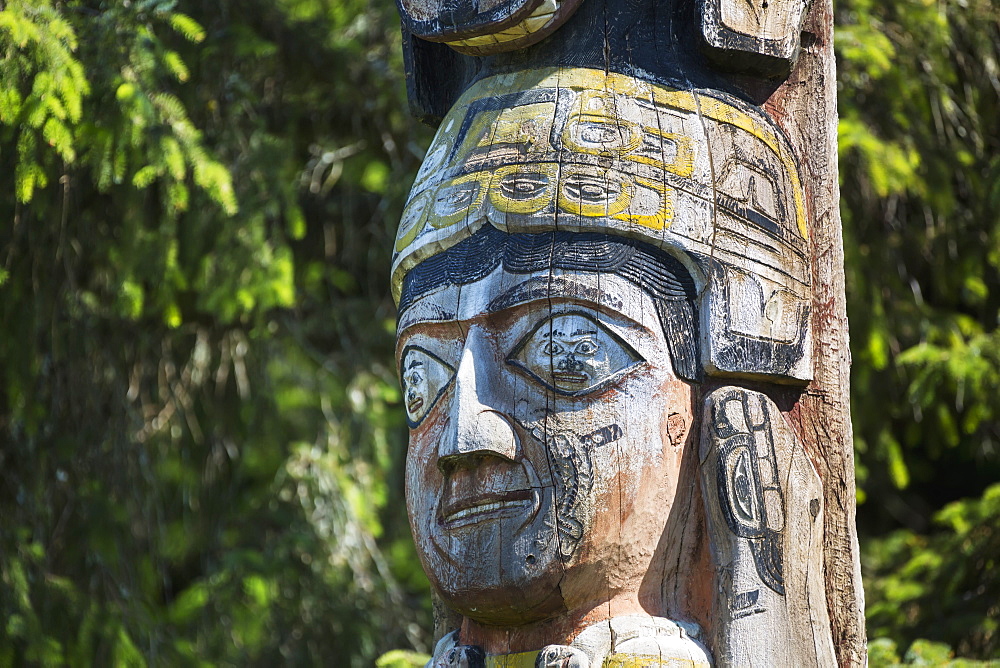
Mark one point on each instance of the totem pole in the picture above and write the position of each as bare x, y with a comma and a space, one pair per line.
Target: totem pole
622, 340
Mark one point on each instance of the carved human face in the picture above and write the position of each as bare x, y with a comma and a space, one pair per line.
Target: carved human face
547, 427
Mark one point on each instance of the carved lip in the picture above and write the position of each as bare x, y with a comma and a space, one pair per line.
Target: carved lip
569, 377
470, 510
415, 405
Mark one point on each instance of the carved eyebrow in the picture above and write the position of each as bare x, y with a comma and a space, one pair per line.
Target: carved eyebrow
543, 288
414, 363
578, 332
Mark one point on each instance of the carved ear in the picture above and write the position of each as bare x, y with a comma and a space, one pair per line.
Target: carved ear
760, 36
677, 429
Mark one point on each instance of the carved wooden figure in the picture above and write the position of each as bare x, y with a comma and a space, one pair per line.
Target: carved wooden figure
621, 335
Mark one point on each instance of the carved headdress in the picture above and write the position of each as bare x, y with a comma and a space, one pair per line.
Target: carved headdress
699, 174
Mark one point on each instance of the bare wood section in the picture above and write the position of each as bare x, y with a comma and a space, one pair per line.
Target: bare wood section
807, 106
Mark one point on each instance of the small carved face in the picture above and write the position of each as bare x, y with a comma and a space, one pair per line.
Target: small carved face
573, 354
424, 378
544, 442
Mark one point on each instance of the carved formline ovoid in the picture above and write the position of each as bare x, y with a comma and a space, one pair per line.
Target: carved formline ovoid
764, 502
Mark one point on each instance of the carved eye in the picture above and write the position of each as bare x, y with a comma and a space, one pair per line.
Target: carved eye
454, 199
572, 354
588, 189
599, 133
524, 186
424, 378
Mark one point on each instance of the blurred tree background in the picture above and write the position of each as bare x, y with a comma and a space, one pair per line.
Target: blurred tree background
200, 426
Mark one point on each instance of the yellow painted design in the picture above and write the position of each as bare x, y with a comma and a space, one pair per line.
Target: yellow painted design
484, 40
414, 220
719, 111
455, 199
519, 660
538, 19
537, 22
526, 125
683, 162
625, 135
586, 80
646, 661
597, 82
621, 133
595, 111
481, 133
663, 215
523, 189
573, 189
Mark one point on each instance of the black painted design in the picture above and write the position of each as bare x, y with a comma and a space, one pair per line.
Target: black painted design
424, 377
602, 436
742, 52
572, 469
498, 103
740, 351
462, 656
745, 604
573, 473
746, 474
573, 363
654, 271
561, 656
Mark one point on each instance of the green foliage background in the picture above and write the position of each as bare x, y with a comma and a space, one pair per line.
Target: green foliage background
200, 427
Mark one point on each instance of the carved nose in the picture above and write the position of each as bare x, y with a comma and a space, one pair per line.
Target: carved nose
477, 427
569, 363
484, 433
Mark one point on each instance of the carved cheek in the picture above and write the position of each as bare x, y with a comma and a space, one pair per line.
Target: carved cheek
424, 481
645, 448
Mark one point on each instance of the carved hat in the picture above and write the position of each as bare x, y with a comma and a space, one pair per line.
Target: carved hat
699, 174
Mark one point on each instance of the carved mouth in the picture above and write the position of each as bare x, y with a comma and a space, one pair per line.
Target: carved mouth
464, 512
566, 377
415, 405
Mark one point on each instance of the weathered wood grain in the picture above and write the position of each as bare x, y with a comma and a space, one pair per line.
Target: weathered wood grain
620, 266
764, 501
753, 35
808, 102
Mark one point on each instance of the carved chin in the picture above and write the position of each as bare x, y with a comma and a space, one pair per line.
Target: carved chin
524, 594
498, 565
